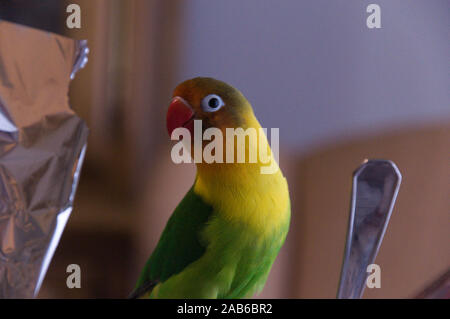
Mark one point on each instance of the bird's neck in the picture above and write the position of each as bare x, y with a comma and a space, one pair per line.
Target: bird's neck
239, 192
218, 178
248, 156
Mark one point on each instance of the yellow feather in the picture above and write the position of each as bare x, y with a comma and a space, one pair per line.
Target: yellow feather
242, 194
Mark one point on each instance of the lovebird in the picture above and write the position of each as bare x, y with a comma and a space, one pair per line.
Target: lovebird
224, 235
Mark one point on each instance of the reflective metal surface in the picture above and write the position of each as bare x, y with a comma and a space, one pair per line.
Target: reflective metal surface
42, 145
374, 191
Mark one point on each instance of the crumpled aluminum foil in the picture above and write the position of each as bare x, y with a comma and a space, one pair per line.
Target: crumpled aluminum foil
42, 146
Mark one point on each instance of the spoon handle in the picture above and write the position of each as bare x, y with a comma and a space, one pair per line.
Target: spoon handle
374, 191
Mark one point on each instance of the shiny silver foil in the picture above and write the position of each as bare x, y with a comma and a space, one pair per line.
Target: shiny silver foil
42, 145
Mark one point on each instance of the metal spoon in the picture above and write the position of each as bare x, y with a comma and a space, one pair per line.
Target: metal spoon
374, 191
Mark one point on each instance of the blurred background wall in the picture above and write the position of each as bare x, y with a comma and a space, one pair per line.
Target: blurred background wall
338, 91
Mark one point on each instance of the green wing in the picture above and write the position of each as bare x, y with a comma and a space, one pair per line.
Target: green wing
179, 245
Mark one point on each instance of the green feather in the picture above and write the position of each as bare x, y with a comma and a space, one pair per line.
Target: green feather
180, 243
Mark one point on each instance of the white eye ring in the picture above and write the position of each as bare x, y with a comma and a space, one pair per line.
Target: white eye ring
212, 103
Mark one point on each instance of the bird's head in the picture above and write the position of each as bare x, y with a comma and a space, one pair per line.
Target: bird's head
214, 102
223, 109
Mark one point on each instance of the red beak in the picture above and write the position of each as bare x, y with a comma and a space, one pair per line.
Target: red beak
179, 114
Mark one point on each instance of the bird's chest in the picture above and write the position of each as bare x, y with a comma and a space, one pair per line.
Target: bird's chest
253, 213
258, 210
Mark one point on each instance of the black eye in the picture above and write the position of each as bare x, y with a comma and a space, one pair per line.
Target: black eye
212, 103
